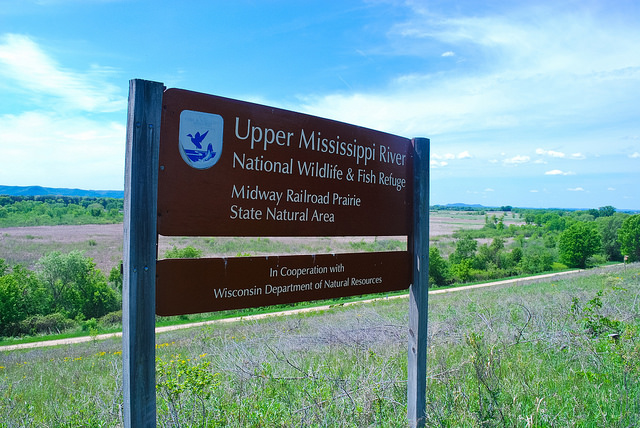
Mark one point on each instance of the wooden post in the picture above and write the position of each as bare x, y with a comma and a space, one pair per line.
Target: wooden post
419, 289
139, 258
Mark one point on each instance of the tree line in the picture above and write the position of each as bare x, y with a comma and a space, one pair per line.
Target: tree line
547, 240
56, 210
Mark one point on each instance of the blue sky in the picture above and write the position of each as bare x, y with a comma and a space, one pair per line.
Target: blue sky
530, 104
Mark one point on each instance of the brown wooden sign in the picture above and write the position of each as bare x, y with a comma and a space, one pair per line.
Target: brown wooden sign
208, 285
231, 168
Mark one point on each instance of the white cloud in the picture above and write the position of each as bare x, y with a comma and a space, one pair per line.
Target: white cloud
488, 189
464, 155
534, 191
446, 156
26, 65
578, 156
448, 53
518, 159
576, 189
559, 172
438, 164
611, 189
550, 153
634, 155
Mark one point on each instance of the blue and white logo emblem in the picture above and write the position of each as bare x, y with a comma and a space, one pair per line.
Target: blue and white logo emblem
200, 138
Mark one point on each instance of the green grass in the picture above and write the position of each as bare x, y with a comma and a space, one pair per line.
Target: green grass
533, 355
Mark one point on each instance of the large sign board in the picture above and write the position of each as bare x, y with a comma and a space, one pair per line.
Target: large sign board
232, 168
224, 167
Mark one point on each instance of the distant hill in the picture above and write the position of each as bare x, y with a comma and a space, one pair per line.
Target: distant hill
50, 191
465, 205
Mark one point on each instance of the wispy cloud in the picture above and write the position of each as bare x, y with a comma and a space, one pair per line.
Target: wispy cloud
559, 172
518, 159
23, 63
576, 189
446, 156
550, 153
527, 66
634, 155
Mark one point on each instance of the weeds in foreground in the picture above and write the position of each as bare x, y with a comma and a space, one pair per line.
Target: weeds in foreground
563, 354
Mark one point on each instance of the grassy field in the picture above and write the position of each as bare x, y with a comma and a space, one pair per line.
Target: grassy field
563, 353
103, 242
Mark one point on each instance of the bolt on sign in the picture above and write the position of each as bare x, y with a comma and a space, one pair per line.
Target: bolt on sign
232, 168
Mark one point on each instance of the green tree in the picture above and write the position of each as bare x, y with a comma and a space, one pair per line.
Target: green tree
76, 286
461, 271
465, 249
22, 296
438, 268
535, 259
607, 211
629, 237
579, 242
608, 227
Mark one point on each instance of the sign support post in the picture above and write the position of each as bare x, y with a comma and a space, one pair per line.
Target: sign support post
418, 245
139, 259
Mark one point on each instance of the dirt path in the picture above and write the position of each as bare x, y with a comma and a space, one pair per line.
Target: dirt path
507, 282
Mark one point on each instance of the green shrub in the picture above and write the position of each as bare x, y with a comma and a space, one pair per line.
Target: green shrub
111, 319
49, 324
187, 252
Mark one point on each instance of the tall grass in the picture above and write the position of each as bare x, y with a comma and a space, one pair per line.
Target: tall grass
563, 353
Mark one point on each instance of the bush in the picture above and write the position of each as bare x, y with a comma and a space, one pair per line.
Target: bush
597, 260
536, 260
111, 319
187, 252
50, 324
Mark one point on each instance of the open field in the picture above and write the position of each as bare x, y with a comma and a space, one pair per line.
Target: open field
564, 353
103, 243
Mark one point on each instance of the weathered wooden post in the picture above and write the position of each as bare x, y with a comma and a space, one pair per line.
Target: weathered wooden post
139, 258
419, 289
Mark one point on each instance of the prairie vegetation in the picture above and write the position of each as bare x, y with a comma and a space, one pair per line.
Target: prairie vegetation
563, 353
542, 241
42, 264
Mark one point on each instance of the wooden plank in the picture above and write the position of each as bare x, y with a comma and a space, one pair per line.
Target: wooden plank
187, 286
418, 291
139, 248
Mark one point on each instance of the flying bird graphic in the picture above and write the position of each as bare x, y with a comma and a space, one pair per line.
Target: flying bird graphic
197, 139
